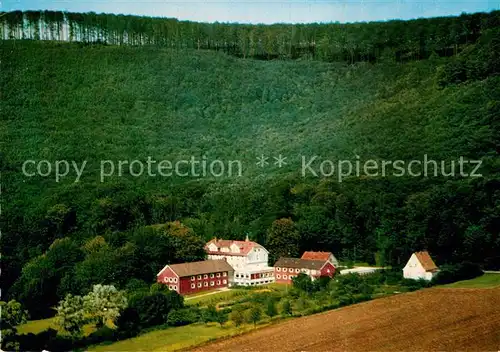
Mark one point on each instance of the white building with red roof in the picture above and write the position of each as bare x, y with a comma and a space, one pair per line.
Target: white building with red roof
248, 259
321, 256
420, 266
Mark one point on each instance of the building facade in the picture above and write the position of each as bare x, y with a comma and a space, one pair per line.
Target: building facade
285, 269
248, 259
420, 266
188, 278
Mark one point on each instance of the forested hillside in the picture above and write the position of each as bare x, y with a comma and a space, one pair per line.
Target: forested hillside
94, 101
353, 42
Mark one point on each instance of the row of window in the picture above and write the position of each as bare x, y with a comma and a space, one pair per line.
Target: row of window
170, 279
248, 276
172, 287
205, 276
285, 277
296, 270
257, 283
205, 284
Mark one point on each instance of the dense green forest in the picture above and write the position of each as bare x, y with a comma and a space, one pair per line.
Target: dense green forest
381, 91
375, 41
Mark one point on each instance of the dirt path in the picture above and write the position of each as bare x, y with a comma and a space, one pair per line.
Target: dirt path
427, 320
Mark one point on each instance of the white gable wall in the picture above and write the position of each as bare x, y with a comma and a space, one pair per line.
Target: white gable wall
212, 247
333, 260
415, 271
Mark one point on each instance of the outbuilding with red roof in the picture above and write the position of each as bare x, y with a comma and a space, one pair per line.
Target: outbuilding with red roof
420, 266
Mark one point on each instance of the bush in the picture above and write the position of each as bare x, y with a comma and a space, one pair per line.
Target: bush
102, 334
346, 300
254, 314
180, 317
237, 317
414, 285
377, 278
286, 308
209, 314
392, 277
457, 272
128, 323
49, 340
321, 283
303, 282
153, 308
271, 310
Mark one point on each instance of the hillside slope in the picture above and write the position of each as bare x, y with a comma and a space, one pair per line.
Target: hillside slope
66, 101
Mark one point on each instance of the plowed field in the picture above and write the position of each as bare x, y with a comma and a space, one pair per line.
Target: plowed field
427, 320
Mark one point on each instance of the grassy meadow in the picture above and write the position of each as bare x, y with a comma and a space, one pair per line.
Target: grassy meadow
488, 280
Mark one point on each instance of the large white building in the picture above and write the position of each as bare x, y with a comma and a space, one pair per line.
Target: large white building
248, 259
420, 266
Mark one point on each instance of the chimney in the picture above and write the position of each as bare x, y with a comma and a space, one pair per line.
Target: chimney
246, 238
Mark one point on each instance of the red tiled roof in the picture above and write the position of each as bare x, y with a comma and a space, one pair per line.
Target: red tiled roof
425, 259
198, 268
244, 246
316, 255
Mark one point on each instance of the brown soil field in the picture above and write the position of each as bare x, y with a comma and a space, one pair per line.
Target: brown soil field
427, 320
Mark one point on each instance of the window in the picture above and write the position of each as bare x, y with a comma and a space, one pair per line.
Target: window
224, 273
165, 279
297, 270
205, 284
175, 287
278, 276
199, 277
218, 274
224, 281
205, 276
212, 283
284, 270
169, 287
199, 284
278, 269
212, 276
192, 278
284, 277
218, 282
193, 285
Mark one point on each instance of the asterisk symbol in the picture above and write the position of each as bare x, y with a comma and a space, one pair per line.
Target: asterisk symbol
280, 160
262, 161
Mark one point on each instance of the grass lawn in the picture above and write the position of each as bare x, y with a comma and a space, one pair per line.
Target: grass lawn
173, 339
203, 298
484, 281
36, 326
216, 297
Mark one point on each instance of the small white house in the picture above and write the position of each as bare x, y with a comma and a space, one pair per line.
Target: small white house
420, 266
